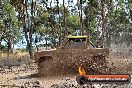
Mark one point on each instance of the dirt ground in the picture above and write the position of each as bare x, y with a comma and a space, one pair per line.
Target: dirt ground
25, 75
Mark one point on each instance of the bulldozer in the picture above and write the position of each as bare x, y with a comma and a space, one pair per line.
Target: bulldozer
73, 52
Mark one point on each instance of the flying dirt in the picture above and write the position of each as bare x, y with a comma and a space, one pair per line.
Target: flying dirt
72, 53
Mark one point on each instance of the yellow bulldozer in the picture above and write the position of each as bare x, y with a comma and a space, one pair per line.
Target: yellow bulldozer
73, 52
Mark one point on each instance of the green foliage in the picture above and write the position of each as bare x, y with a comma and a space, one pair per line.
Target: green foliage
9, 23
73, 22
4, 48
106, 19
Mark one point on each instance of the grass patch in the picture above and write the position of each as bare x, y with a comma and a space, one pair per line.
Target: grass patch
15, 55
16, 58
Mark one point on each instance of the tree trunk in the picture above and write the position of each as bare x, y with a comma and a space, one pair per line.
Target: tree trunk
9, 45
31, 31
30, 44
64, 20
28, 38
60, 37
81, 24
46, 42
103, 24
108, 41
0, 45
24, 25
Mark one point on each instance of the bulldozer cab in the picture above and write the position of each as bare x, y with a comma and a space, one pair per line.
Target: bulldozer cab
75, 42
